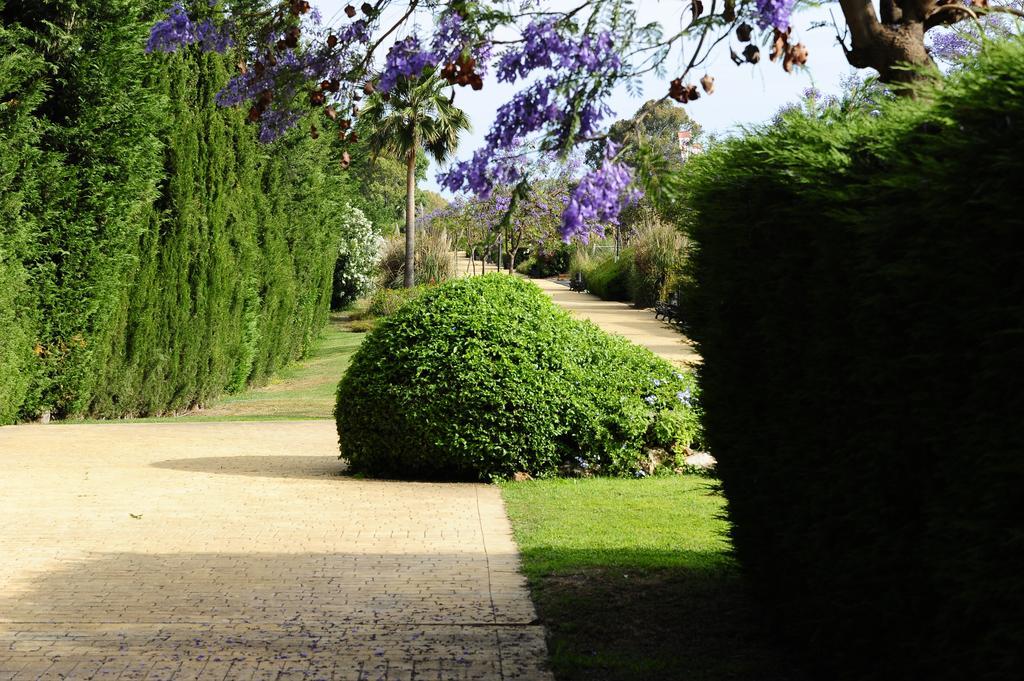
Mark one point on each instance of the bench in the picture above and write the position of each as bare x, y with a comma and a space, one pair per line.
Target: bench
669, 311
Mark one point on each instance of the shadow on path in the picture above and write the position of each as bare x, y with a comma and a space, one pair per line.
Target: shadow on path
270, 616
300, 467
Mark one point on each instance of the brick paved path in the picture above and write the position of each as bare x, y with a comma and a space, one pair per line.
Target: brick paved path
235, 551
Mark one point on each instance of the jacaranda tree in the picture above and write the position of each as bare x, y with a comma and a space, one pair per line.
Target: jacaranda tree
568, 62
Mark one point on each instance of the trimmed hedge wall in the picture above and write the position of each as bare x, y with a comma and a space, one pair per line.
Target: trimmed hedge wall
861, 316
485, 377
157, 254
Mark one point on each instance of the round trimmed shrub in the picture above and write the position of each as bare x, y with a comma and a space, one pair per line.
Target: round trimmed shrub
485, 377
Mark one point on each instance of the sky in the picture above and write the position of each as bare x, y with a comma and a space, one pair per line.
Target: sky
744, 95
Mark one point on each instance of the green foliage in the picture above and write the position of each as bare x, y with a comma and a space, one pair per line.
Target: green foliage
158, 255
657, 253
357, 258
387, 301
608, 277
547, 261
485, 377
22, 168
653, 130
859, 305
434, 260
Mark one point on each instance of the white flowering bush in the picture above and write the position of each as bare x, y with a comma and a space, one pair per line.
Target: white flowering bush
357, 257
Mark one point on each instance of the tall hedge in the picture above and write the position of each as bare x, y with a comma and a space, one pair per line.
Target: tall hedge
164, 255
21, 173
861, 316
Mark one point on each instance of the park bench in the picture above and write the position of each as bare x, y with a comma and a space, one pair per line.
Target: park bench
668, 309
576, 283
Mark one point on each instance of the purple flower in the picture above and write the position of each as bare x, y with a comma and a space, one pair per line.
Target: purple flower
211, 38
177, 30
599, 197
405, 59
774, 13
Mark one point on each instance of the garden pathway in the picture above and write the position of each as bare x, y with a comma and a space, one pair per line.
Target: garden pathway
212, 550
636, 325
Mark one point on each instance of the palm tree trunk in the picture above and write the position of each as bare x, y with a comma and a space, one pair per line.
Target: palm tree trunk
410, 218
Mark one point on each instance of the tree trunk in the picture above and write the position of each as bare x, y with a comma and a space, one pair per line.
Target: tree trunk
410, 218
890, 45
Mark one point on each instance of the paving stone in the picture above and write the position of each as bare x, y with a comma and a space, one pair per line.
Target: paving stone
239, 552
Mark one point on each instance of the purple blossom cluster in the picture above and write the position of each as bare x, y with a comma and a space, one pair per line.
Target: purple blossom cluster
405, 59
544, 47
408, 58
599, 197
178, 30
774, 13
548, 105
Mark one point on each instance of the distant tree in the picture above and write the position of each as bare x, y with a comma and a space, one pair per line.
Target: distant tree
416, 114
430, 202
649, 140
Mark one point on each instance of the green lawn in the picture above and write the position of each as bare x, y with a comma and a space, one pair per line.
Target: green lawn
633, 580
304, 390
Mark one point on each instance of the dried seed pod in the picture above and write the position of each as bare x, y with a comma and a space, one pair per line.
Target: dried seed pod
332, 41
350, 11
313, 132
698, 8
752, 54
346, 160
254, 114
368, 87
692, 92
271, 59
798, 54
281, 45
243, 68
259, 68
291, 38
266, 97
316, 98
344, 124
708, 83
331, 112
476, 82
778, 45
367, 8
676, 91
743, 32
353, 138
729, 13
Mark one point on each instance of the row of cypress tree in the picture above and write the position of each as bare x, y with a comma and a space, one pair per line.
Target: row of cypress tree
152, 253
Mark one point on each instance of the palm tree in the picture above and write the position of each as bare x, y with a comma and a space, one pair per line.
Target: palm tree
417, 113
